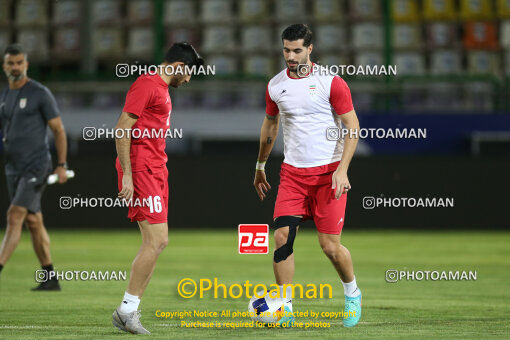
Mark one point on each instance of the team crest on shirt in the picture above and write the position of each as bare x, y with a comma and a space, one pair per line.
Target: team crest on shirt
22, 103
312, 89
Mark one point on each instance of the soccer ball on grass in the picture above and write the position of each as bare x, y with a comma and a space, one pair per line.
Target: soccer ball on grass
268, 310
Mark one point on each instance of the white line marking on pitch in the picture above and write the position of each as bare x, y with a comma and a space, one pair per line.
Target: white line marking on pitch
331, 323
22, 327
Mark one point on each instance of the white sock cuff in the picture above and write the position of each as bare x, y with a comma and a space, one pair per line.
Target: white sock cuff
129, 303
349, 283
131, 298
351, 288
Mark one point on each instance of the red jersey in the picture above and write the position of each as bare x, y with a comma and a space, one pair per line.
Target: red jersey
149, 100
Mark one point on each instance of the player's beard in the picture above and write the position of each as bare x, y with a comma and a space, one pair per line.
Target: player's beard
177, 81
14, 78
298, 62
174, 83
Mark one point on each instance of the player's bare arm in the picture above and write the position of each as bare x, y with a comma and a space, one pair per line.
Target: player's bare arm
340, 181
123, 146
268, 134
57, 128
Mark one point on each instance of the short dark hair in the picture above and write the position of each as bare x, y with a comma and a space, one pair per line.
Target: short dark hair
296, 32
14, 49
183, 52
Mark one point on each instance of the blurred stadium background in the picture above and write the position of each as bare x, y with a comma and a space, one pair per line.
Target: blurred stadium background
453, 65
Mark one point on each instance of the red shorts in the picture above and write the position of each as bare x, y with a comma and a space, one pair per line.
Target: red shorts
150, 197
307, 192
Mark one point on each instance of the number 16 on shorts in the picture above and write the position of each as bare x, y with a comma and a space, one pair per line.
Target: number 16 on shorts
154, 204
253, 238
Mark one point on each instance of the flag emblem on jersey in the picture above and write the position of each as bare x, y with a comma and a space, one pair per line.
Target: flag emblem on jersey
22, 103
312, 89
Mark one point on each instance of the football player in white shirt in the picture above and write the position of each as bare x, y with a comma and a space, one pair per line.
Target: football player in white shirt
313, 176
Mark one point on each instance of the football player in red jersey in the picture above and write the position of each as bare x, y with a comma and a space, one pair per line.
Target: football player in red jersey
313, 176
142, 172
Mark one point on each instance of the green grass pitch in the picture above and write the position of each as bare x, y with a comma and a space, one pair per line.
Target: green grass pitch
408, 309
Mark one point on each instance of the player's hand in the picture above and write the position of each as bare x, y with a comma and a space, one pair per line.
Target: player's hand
261, 184
340, 183
62, 175
127, 187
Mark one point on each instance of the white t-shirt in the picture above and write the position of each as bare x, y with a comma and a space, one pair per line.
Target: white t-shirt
307, 107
